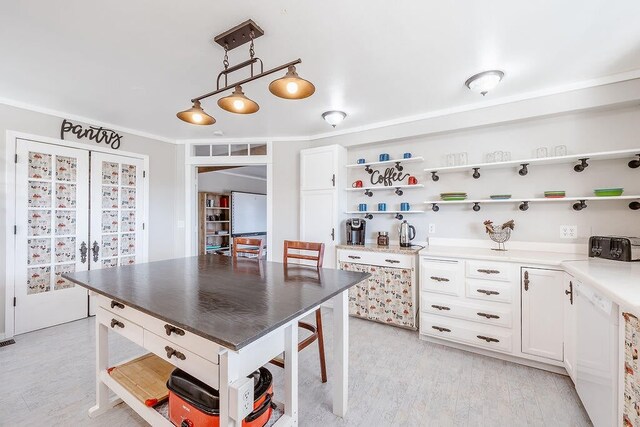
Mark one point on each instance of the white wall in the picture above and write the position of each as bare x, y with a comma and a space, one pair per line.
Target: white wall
221, 182
166, 179
580, 132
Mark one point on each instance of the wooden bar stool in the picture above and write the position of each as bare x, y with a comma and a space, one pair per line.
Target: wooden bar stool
247, 245
316, 330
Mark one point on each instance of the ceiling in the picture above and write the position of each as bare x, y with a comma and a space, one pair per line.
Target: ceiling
135, 66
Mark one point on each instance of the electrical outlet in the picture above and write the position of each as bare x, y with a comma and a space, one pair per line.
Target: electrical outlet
241, 398
568, 231
432, 228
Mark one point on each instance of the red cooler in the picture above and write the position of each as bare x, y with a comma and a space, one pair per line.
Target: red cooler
192, 403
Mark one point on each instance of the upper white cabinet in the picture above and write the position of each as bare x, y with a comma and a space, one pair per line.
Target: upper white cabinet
321, 167
570, 325
542, 312
322, 176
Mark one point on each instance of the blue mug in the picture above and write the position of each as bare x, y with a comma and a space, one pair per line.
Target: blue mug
404, 206
406, 156
360, 161
382, 207
362, 207
383, 157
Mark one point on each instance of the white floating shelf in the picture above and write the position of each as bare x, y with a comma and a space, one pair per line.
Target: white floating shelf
384, 212
387, 162
530, 200
380, 187
572, 158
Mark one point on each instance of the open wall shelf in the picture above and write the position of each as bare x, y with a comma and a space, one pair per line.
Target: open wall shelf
581, 162
524, 203
398, 189
387, 162
397, 214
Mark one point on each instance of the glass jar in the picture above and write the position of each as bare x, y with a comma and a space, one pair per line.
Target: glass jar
383, 238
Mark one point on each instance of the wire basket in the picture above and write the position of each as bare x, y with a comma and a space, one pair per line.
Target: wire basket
500, 237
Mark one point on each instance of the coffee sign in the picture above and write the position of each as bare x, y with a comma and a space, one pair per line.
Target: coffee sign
388, 177
97, 134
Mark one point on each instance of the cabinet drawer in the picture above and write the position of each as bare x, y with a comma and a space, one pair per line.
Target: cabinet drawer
487, 313
489, 290
477, 335
184, 359
442, 277
376, 258
121, 325
205, 348
489, 270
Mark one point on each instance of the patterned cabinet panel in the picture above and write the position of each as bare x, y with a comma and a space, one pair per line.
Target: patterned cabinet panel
386, 297
631, 408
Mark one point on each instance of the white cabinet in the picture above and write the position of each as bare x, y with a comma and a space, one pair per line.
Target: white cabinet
569, 321
321, 202
321, 167
542, 313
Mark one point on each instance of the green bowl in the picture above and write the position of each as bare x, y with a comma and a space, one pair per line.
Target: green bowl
608, 192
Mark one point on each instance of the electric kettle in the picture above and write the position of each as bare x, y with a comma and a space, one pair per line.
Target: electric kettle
407, 234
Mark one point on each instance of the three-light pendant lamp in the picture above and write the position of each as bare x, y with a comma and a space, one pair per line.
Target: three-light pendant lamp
291, 86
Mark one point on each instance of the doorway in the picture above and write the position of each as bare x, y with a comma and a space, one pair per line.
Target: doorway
232, 202
72, 209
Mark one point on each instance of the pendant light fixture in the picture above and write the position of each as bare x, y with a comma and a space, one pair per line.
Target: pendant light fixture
196, 115
334, 117
291, 86
485, 81
238, 103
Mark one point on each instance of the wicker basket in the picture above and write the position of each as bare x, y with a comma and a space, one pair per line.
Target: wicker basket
500, 237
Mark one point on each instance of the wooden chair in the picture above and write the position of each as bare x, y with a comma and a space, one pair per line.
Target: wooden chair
247, 245
316, 330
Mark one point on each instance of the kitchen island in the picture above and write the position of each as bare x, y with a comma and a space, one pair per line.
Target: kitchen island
218, 319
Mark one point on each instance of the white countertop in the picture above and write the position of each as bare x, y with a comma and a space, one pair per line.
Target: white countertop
519, 256
617, 280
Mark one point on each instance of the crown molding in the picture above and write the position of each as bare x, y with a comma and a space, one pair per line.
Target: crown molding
87, 120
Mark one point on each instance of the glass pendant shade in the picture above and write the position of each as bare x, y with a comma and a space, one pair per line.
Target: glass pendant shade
292, 86
334, 117
196, 115
238, 103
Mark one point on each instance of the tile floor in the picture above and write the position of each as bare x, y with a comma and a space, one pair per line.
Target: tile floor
47, 379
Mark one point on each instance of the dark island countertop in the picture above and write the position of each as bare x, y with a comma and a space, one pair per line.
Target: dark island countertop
232, 303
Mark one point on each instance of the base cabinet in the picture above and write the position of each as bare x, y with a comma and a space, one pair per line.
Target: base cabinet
542, 313
389, 295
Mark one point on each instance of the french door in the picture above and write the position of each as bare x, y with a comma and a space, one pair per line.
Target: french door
75, 210
52, 207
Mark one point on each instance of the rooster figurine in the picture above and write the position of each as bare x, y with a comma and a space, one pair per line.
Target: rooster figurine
499, 234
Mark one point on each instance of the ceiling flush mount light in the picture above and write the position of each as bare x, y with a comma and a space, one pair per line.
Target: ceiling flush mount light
238, 103
485, 81
291, 86
196, 115
334, 118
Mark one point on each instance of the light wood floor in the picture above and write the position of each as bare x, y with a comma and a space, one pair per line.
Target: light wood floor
47, 379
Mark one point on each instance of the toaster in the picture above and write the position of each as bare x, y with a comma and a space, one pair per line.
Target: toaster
615, 247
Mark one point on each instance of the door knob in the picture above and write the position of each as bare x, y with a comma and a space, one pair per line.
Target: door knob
83, 252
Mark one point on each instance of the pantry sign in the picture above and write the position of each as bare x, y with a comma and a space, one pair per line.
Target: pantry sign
97, 134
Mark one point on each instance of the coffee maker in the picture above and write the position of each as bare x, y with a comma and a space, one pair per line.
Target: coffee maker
355, 231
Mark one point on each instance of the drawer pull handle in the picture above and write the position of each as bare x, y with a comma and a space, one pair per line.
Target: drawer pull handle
487, 271
392, 261
486, 292
489, 316
173, 352
115, 323
169, 329
439, 329
353, 256
441, 307
117, 304
487, 339
439, 279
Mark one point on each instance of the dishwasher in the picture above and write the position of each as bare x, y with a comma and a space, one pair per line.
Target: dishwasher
597, 355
